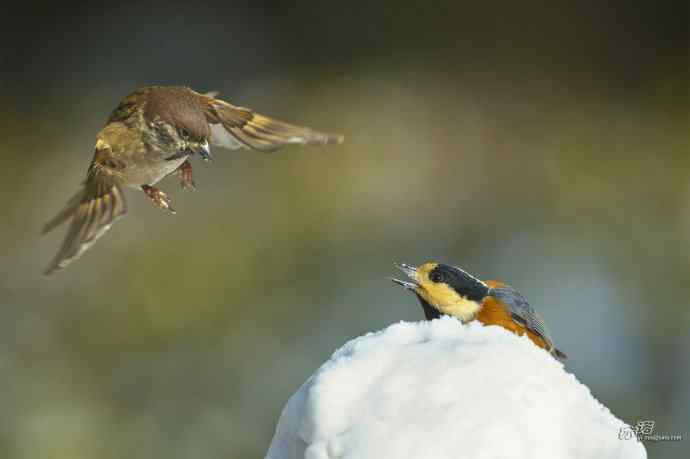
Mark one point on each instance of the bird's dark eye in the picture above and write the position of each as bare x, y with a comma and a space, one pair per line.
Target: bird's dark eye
437, 277
184, 133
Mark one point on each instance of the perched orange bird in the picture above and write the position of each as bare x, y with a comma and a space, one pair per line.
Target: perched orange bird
445, 289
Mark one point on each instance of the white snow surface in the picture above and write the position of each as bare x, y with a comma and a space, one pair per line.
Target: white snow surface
439, 389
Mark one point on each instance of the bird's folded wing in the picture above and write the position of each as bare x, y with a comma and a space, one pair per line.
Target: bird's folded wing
521, 312
236, 127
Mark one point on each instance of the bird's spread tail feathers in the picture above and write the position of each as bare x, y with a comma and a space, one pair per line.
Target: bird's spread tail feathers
93, 210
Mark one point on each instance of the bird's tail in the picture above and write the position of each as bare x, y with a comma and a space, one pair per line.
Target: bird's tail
261, 132
560, 355
93, 210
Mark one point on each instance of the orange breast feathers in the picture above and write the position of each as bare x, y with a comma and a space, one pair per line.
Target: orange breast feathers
493, 312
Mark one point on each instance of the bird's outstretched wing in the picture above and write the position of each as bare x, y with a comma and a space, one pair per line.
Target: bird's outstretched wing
93, 210
237, 127
522, 313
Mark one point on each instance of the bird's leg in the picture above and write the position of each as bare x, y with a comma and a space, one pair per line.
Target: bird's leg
186, 180
158, 197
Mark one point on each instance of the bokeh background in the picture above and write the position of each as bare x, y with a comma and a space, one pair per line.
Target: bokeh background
542, 143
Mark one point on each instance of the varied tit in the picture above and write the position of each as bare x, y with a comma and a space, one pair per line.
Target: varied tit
448, 290
152, 134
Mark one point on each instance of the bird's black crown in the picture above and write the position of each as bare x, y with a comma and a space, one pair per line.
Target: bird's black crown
460, 281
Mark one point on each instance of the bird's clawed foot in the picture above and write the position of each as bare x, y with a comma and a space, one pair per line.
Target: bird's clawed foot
158, 197
186, 180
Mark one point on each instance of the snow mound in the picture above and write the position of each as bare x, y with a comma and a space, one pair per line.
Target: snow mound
440, 390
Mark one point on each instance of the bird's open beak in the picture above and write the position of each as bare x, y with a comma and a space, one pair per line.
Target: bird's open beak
410, 272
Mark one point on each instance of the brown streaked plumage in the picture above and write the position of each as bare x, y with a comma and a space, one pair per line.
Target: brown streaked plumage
448, 290
151, 134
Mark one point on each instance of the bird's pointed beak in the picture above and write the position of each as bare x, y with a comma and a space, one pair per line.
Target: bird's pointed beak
205, 151
411, 273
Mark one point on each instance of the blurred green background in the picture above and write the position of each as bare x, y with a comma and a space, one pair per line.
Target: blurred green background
542, 143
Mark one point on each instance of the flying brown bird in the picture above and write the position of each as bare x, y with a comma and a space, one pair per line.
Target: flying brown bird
151, 134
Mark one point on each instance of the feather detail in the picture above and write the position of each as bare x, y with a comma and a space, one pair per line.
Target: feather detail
523, 314
93, 210
244, 128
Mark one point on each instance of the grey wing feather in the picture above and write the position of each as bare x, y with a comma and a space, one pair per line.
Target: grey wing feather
222, 138
522, 312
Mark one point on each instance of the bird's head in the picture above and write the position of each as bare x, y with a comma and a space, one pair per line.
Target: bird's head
447, 289
177, 116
